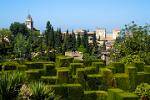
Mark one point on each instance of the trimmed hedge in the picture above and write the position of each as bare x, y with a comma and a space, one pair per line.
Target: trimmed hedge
50, 69
63, 75
121, 81
90, 70
98, 65
49, 79
112, 93
139, 66
63, 61
147, 77
127, 96
33, 74
69, 91
107, 77
147, 68
94, 80
140, 78
95, 95
131, 71
10, 65
22, 67
118, 67
1, 67
34, 65
81, 77
74, 66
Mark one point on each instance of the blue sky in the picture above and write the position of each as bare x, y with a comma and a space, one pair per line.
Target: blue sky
75, 14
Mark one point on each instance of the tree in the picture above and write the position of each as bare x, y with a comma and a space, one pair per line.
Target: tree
73, 41
85, 41
20, 45
94, 40
133, 40
17, 28
78, 40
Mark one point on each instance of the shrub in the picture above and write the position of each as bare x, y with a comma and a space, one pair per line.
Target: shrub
90, 70
147, 69
63, 75
69, 91
143, 90
127, 96
118, 67
34, 65
121, 81
22, 67
63, 61
112, 93
49, 79
36, 91
50, 69
95, 95
10, 65
139, 66
98, 65
94, 81
33, 74
140, 78
10, 84
74, 66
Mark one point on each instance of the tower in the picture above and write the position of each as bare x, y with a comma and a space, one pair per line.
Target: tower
29, 22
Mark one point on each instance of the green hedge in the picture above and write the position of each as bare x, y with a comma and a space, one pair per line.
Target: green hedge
91, 70
118, 67
98, 65
121, 81
50, 69
1, 67
127, 96
33, 74
22, 67
69, 91
107, 78
94, 80
95, 95
34, 65
140, 78
139, 66
147, 77
10, 65
147, 69
63, 61
63, 75
74, 66
49, 79
81, 77
112, 93
131, 71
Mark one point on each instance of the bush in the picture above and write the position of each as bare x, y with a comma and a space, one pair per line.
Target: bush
63, 61
112, 93
69, 91
143, 90
94, 81
140, 78
74, 66
147, 69
121, 81
34, 65
131, 59
22, 67
127, 96
50, 69
118, 67
10, 65
10, 84
98, 65
90, 70
95, 95
63, 75
139, 66
33, 74
49, 79
36, 91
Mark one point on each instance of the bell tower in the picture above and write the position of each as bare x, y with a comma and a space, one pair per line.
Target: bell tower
29, 22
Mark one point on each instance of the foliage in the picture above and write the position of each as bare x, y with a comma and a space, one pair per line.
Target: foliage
10, 84
129, 59
133, 40
36, 91
17, 27
143, 90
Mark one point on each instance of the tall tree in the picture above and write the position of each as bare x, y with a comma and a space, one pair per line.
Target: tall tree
85, 41
78, 40
73, 41
17, 28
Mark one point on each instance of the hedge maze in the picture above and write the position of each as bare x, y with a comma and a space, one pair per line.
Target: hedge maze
75, 80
